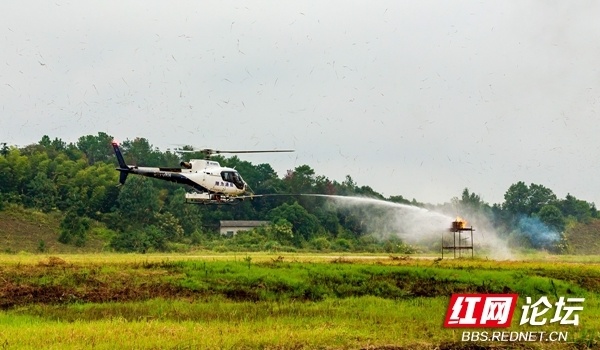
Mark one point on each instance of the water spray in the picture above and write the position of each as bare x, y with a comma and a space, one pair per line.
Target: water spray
412, 224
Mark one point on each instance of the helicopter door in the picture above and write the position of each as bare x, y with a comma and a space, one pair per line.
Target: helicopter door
234, 177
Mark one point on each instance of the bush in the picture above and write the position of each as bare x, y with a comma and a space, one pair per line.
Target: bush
177, 247
73, 229
103, 233
220, 249
42, 246
142, 240
134, 241
196, 238
320, 244
342, 244
248, 239
273, 246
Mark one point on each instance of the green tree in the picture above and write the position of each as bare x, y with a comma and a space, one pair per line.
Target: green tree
96, 148
58, 144
581, 210
342, 244
52, 147
141, 152
281, 231
399, 199
41, 193
300, 180
188, 216
169, 225
367, 191
471, 201
96, 186
15, 173
552, 217
347, 187
320, 243
304, 224
45, 141
138, 201
64, 176
156, 238
520, 199
329, 220
516, 198
540, 196
4, 149
73, 229
324, 186
137, 240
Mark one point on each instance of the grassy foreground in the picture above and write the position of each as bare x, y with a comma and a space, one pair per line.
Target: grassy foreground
271, 302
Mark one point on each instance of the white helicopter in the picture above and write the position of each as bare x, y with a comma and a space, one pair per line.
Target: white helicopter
211, 183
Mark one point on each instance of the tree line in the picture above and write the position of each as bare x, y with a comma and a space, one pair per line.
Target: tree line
79, 181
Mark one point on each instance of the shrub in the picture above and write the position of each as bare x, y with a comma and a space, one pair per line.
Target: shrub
320, 243
196, 238
73, 229
42, 246
342, 244
221, 249
272, 246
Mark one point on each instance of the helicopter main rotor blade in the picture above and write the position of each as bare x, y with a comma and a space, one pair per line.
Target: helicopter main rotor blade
258, 151
216, 151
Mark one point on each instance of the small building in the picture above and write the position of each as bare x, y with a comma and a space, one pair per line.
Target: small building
231, 227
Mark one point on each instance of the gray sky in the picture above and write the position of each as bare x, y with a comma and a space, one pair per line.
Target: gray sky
418, 98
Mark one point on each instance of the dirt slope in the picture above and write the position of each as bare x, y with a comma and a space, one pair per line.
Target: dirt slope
23, 230
585, 238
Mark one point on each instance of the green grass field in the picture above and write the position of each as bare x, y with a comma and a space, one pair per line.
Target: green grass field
266, 301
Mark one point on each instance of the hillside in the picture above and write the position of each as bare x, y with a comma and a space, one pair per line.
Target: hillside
32, 231
584, 238
23, 230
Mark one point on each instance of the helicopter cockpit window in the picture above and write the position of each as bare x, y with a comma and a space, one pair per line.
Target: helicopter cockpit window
234, 177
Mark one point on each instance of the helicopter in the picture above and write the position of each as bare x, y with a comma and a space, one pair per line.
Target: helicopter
211, 183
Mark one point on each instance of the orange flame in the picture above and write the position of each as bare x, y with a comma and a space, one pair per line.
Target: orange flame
459, 223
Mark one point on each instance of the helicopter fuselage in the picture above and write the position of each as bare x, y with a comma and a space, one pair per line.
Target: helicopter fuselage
204, 176
207, 177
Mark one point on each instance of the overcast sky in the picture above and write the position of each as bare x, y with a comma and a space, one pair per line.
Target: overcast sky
413, 98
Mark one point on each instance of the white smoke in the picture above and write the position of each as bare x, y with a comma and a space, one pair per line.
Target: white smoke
486, 240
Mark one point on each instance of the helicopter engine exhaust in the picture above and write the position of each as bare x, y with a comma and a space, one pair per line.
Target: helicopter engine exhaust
186, 165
